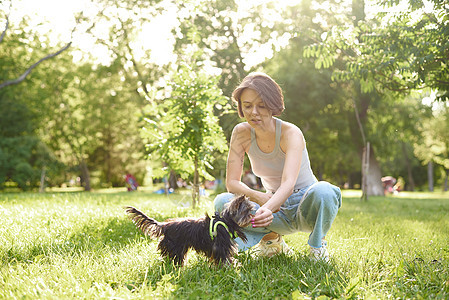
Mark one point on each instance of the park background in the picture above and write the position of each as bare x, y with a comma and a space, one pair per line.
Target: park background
92, 90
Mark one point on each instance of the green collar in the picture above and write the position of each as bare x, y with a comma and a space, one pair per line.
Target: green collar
213, 228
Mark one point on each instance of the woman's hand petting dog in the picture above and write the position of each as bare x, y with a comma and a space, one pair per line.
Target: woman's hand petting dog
262, 218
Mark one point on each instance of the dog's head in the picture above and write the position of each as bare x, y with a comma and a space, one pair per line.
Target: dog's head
239, 209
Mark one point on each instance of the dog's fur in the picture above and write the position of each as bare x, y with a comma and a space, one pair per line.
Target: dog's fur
177, 236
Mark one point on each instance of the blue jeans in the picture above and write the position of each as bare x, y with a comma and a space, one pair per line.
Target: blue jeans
311, 209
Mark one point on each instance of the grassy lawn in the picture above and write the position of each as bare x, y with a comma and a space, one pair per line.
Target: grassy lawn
81, 245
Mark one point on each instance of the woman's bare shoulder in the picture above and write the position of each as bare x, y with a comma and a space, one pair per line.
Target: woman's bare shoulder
291, 137
242, 129
290, 129
241, 135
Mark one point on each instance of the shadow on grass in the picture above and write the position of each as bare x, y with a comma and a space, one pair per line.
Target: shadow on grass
261, 278
98, 235
94, 238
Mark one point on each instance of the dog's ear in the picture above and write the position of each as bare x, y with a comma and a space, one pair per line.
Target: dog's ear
235, 203
239, 209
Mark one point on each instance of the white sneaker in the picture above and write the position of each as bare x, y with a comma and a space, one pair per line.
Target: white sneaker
318, 254
272, 247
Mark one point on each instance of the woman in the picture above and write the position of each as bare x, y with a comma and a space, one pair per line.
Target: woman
294, 200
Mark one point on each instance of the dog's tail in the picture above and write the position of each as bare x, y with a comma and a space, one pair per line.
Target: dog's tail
148, 225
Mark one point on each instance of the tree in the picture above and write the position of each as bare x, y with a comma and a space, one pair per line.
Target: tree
434, 147
125, 21
29, 68
358, 48
397, 126
187, 133
406, 50
138, 78
313, 101
231, 37
89, 114
23, 154
334, 112
85, 115
93, 123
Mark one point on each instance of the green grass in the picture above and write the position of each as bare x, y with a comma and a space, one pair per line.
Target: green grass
81, 245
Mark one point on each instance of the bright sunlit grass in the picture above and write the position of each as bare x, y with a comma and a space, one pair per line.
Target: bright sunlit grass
81, 245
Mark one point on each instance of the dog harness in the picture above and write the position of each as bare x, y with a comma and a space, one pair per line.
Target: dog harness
214, 222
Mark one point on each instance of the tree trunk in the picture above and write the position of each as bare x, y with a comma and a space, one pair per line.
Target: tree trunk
365, 171
430, 175
371, 176
374, 176
373, 182
411, 181
165, 180
107, 156
196, 185
42, 185
172, 180
85, 176
358, 11
445, 185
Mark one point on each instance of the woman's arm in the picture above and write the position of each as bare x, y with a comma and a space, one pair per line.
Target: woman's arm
293, 144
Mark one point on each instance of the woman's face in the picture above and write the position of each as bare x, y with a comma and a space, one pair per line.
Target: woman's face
254, 110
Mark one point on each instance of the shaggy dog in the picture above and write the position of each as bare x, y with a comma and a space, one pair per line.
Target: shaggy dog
212, 236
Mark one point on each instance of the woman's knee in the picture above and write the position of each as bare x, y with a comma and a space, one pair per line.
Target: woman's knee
221, 200
320, 204
326, 194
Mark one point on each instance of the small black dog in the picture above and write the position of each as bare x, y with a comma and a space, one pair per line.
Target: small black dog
214, 237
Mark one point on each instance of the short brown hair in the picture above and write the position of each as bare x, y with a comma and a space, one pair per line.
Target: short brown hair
268, 90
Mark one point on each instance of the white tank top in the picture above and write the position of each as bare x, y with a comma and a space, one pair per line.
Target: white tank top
269, 166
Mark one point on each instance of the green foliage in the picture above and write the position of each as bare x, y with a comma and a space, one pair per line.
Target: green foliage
215, 30
97, 120
384, 59
320, 107
231, 36
88, 112
434, 145
24, 108
108, 112
67, 113
397, 133
187, 131
22, 154
81, 245
400, 52
22, 159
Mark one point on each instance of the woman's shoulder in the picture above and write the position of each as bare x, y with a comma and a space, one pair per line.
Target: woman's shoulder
291, 137
290, 128
242, 130
241, 135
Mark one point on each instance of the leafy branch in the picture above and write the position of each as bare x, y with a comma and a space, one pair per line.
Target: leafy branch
28, 71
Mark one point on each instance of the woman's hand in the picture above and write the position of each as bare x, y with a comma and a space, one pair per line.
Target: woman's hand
262, 218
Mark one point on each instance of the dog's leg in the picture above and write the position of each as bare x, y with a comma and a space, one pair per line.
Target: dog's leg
222, 252
172, 250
